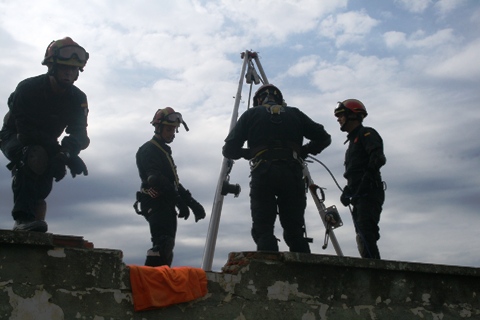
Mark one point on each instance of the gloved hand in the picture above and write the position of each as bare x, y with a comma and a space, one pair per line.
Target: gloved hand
246, 154
59, 162
193, 204
77, 166
197, 208
345, 198
183, 210
304, 151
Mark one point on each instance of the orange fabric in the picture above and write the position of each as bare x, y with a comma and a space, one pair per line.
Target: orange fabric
157, 287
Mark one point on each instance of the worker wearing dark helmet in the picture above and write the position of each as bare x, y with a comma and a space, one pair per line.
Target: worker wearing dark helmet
161, 191
275, 134
41, 109
365, 189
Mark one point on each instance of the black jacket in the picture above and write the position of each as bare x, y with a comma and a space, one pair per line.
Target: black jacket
364, 155
39, 116
154, 161
275, 126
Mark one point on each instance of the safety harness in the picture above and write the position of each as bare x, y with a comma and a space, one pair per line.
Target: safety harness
151, 191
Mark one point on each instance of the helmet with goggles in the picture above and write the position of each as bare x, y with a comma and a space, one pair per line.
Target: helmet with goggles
66, 51
169, 117
267, 91
352, 108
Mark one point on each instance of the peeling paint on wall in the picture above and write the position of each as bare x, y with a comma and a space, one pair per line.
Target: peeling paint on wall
281, 290
34, 308
57, 253
251, 286
359, 309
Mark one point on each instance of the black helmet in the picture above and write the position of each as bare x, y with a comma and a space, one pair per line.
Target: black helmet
268, 90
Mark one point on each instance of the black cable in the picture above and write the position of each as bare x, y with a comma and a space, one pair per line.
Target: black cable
364, 243
331, 174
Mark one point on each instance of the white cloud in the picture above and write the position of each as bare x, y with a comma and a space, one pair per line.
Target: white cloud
415, 6
347, 28
446, 6
304, 66
147, 55
419, 39
354, 72
462, 65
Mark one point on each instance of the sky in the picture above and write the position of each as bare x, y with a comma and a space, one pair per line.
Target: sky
413, 63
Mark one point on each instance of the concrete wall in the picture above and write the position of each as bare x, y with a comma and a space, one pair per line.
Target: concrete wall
45, 276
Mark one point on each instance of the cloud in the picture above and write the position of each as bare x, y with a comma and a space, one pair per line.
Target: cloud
447, 6
414, 6
347, 28
415, 71
462, 65
418, 39
303, 66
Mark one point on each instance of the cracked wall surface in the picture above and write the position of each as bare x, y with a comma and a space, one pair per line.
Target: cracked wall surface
45, 276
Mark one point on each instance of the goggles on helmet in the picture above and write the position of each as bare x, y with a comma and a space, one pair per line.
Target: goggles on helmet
340, 108
173, 117
68, 52
162, 117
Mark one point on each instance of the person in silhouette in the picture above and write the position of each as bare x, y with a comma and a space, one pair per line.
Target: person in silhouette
365, 189
41, 109
274, 133
161, 191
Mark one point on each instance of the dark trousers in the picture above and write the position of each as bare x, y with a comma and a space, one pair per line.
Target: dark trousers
278, 188
366, 217
162, 219
29, 189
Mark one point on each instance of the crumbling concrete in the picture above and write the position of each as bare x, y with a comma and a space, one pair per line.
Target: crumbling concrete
46, 276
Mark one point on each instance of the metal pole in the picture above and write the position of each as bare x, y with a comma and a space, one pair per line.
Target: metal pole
260, 68
321, 207
218, 200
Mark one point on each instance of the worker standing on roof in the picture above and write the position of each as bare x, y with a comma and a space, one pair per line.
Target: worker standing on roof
161, 191
275, 134
364, 189
41, 109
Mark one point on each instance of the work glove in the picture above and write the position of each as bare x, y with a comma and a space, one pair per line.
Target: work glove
304, 151
197, 208
59, 162
193, 204
183, 210
345, 198
245, 153
77, 166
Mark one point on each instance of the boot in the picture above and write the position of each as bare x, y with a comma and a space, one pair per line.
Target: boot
155, 260
40, 210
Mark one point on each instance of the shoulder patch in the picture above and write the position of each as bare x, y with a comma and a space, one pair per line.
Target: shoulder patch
366, 134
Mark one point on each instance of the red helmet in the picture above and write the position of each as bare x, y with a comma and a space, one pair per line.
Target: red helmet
66, 51
268, 90
169, 117
351, 106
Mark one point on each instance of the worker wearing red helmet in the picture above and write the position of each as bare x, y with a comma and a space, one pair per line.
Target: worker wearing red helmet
364, 189
275, 133
161, 191
41, 109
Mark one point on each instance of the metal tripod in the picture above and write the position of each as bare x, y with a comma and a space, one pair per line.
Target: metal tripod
224, 187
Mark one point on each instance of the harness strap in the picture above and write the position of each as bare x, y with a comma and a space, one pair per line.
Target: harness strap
169, 160
272, 155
